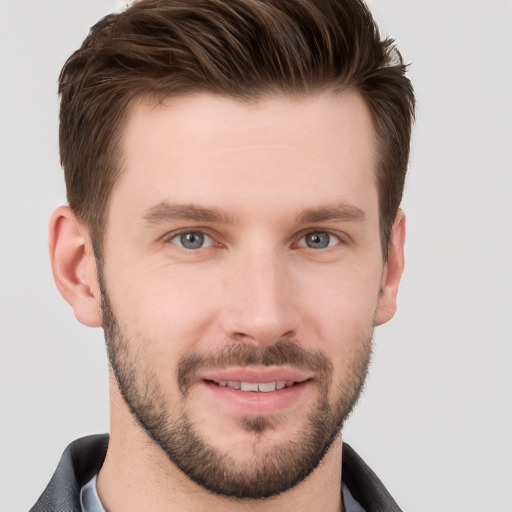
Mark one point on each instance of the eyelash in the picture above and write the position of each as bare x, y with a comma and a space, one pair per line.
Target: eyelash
173, 236
331, 236
200, 232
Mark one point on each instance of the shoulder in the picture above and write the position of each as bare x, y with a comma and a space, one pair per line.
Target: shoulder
364, 485
81, 460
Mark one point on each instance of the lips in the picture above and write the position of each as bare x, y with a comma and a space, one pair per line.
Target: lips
255, 391
256, 387
254, 371
255, 379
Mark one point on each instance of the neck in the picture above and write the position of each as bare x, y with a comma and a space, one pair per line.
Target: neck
137, 475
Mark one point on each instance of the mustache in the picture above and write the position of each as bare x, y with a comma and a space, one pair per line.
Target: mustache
281, 353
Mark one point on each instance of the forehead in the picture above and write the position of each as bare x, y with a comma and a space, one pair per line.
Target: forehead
280, 152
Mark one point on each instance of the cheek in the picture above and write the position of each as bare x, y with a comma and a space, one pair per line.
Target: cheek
165, 306
339, 318
344, 298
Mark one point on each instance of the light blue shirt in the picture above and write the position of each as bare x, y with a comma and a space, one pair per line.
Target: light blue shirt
89, 499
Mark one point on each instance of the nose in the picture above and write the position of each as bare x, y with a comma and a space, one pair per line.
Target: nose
259, 303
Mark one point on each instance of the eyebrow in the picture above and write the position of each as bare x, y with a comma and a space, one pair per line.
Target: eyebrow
337, 212
164, 212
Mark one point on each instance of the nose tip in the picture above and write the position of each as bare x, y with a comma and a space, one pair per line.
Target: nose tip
260, 306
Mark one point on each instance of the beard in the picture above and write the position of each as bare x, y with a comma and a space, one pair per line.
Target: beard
272, 468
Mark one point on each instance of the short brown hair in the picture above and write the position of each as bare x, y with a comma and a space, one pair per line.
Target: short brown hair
243, 49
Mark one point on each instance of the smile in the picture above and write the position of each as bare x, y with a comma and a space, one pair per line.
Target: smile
256, 387
257, 392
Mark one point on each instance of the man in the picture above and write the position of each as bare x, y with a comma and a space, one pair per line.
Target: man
234, 172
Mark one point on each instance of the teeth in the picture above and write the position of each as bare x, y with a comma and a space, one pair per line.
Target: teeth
266, 387
249, 386
262, 387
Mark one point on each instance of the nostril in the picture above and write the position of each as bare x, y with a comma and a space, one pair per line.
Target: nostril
262, 337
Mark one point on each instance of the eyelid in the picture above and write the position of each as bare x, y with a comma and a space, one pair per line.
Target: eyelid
170, 237
339, 237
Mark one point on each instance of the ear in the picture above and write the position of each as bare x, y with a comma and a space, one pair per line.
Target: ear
393, 270
74, 266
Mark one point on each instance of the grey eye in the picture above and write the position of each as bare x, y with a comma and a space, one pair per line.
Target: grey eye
192, 240
318, 240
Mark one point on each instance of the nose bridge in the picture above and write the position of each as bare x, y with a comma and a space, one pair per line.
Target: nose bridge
260, 307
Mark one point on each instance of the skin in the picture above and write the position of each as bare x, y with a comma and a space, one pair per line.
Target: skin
270, 169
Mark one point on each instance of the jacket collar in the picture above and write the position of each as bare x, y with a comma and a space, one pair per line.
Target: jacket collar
84, 457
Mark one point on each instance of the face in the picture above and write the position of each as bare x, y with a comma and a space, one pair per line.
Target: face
241, 281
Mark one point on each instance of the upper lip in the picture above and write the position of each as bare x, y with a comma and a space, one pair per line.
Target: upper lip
255, 374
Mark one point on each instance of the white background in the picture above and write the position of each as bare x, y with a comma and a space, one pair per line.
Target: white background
435, 421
